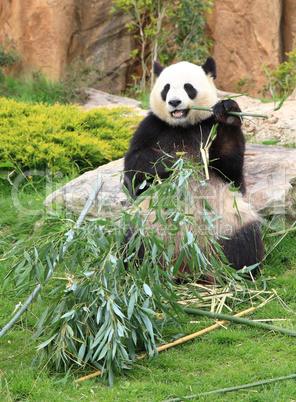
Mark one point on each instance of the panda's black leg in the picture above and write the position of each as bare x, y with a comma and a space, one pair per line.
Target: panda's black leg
245, 248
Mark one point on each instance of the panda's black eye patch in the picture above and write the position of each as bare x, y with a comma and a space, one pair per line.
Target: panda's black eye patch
165, 91
191, 91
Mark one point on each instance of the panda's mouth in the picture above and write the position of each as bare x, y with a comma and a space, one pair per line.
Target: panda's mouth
179, 113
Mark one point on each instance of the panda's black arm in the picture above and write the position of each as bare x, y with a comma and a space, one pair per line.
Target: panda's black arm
145, 159
227, 150
142, 165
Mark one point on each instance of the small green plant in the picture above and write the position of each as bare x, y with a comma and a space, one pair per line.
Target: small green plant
9, 56
77, 77
282, 81
36, 87
243, 85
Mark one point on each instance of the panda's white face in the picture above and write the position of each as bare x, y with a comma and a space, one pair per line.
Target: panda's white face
178, 87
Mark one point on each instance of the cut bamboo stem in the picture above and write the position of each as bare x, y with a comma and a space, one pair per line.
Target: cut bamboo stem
239, 320
240, 114
224, 390
198, 333
177, 342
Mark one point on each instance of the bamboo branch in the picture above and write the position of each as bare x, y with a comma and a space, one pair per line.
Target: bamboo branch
240, 114
177, 342
70, 237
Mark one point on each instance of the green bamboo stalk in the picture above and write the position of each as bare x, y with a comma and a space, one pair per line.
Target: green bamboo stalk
239, 320
224, 390
240, 114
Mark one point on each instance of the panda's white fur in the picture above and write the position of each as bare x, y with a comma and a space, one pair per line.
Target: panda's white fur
178, 75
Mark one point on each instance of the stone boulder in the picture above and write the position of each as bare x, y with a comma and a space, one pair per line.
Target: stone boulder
74, 194
280, 126
97, 98
270, 175
271, 179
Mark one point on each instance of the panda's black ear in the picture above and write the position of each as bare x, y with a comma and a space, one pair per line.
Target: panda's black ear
157, 68
210, 67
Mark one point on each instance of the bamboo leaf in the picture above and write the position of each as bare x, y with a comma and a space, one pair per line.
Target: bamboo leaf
131, 305
148, 311
81, 352
147, 290
70, 314
281, 103
117, 311
103, 352
47, 342
178, 262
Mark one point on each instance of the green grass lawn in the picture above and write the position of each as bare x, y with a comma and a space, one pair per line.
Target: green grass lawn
220, 359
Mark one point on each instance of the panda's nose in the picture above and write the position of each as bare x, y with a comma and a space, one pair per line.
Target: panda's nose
174, 102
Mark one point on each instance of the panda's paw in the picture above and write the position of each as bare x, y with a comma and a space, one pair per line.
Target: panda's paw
221, 109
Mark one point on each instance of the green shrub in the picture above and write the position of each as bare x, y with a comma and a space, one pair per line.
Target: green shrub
61, 138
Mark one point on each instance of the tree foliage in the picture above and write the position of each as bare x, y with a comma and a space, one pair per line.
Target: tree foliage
166, 30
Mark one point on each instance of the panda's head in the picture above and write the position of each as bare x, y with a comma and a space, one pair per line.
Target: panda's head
180, 86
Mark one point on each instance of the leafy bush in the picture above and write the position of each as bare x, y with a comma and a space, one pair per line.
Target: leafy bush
189, 42
63, 138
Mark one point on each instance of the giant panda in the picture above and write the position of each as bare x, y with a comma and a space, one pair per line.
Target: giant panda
171, 128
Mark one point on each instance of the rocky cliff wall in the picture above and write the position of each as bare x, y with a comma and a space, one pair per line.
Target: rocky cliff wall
51, 33
247, 33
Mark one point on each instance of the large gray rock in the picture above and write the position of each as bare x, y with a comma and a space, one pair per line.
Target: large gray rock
99, 98
74, 194
271, 179
270, 175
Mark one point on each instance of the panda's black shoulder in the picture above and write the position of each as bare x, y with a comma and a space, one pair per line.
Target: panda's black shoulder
151, 121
